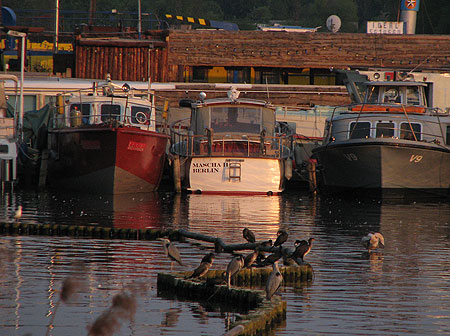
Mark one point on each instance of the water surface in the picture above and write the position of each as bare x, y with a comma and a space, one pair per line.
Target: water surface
402, 289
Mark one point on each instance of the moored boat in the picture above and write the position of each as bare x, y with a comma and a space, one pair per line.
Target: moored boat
104, 141
230, 146
390, 139
9, 135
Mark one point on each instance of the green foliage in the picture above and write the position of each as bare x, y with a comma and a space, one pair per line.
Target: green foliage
432, 16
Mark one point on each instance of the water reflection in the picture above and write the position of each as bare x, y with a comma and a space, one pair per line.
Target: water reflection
401, 289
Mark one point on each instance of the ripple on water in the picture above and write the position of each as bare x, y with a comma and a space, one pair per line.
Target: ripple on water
402, 289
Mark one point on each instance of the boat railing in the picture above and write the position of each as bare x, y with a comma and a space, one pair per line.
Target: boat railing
236, 145
115, 120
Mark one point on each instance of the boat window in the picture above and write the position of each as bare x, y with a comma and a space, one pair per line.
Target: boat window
385, 130
392, 95
236, 119
85, 111
110, 112
447, 141
359, 130
372, 94
412, 95
140, 115
406, 133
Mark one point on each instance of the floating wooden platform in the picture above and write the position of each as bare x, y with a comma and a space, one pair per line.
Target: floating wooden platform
262, 315
85, 231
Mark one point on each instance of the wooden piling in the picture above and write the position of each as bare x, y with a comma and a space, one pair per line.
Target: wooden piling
262, 315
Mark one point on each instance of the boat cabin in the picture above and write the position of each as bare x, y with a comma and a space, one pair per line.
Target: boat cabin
234, 119
98, 109
230, 126
406, 93
396, 110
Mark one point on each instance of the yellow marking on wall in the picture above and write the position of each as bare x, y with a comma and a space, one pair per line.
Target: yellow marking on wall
180, 18
190, 19
202, 22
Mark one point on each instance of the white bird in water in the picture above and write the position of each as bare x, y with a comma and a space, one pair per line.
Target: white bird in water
234, 267
372, 241
171, 251
18, 213
273, 282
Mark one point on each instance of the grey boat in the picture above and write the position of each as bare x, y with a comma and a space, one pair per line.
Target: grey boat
390, 139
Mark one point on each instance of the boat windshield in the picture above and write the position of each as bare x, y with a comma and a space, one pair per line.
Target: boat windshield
412, 95
236, 119
372, 94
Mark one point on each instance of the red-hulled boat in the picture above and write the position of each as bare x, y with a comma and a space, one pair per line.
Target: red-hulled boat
106, 142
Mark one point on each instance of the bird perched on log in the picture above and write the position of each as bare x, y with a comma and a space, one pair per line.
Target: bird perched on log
282, 236
234, 267
273, 282
249, 235
302, 248
251, 258
261, 254
171, 251
204, 266
272, 258
18, 213
372, 241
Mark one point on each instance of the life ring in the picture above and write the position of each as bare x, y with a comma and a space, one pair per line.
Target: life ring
141, 118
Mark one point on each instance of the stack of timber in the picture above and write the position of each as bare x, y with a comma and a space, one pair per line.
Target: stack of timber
308, 50
124, 59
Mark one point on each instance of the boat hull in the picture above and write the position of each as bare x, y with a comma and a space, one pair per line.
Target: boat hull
232, 175
384, 165
105, 159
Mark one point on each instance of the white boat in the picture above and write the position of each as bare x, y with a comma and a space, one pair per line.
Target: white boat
230, 146
389, 140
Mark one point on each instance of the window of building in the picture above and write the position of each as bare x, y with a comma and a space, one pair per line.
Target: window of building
385, 129
29, 102
406, 133
200, 74
110, 112
238, 75
359, 130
